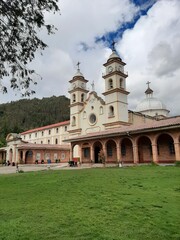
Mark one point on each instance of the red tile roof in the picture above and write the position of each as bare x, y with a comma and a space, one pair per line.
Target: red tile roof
44, 146
46, 127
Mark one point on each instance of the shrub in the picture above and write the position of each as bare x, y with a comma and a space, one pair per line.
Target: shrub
154, 163
177, 163
101, 157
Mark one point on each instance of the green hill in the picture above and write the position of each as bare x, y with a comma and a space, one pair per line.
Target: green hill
26, 114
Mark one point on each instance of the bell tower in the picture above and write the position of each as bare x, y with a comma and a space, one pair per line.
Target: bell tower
115, 91
78, 95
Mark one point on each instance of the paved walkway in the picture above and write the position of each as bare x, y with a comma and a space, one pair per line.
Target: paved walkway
39, 167
52, 166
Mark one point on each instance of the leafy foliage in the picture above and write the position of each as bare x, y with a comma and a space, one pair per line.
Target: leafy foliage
20, 23
101, 156
26, 114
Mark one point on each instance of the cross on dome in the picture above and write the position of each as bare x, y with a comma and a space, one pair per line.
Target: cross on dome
149, 91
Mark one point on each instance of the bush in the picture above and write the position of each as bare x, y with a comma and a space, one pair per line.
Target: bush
154, 163
177, 163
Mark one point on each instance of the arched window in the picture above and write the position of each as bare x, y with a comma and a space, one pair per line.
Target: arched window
121, 83
73, 121
110, 83
74, 98
101, 110
111, 111
82, 97
56, 141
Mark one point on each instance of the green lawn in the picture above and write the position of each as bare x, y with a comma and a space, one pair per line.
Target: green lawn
107, 203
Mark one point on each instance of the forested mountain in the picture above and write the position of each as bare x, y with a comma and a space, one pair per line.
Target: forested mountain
26, 114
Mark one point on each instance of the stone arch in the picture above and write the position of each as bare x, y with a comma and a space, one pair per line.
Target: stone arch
76, 152
29, 157
97, 146
145, 150
75, 149
111, 152
126, 149
165, 148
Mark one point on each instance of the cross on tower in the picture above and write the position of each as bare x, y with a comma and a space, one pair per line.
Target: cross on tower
92, 85
148, 83
113, 44
78, 65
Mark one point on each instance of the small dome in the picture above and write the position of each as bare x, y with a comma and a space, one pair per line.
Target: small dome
78, 74
149, 91
113, 55
150, 104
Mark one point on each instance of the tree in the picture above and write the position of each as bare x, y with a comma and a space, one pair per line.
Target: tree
20, 23
101, 157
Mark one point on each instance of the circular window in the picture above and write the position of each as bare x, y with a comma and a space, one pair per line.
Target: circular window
92, 118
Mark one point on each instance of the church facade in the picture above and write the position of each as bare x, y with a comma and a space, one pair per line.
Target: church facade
102, 130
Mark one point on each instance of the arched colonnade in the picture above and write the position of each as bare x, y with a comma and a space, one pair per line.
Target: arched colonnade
163, 147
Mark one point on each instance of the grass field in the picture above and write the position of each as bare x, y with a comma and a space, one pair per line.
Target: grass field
108, 203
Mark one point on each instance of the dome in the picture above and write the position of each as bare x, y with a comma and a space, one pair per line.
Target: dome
150, 104
78, 74
113, 55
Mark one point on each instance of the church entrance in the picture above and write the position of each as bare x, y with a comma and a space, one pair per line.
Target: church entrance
29, 157
97, 149
144, 150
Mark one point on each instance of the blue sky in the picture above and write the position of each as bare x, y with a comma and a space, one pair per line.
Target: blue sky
147, 38
143, 7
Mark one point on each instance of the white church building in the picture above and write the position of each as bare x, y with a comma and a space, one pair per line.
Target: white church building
102, 129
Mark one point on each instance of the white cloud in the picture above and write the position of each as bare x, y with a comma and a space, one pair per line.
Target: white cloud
150, 48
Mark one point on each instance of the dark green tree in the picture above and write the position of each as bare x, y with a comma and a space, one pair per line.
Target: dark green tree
20, 23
